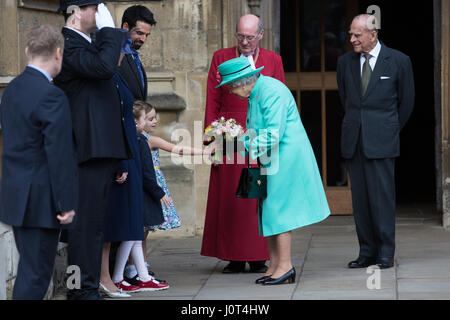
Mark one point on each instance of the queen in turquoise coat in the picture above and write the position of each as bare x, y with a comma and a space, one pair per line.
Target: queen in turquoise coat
276, 136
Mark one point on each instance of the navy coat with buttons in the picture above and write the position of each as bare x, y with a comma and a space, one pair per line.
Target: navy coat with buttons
153, 193
123, 220
39, 171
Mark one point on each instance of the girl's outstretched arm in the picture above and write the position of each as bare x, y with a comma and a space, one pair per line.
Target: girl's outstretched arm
159, 143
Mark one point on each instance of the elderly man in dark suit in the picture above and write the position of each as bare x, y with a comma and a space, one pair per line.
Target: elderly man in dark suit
39, 172
376, 87
87, 78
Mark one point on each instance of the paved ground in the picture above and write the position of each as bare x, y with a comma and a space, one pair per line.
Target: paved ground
320, 254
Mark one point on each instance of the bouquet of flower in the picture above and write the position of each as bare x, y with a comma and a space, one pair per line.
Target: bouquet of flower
229, 130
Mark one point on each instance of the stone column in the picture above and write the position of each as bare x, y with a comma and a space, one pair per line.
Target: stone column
445, 114
9, 46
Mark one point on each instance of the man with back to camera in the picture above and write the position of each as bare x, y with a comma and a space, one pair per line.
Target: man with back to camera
376, 87
87, 78
39, 172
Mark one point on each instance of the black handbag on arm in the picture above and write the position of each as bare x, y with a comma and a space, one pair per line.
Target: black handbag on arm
252, 184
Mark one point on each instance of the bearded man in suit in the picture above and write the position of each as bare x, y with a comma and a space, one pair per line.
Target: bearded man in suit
138, 21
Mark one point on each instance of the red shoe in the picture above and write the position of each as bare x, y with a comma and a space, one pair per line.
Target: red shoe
126, 287
152, 285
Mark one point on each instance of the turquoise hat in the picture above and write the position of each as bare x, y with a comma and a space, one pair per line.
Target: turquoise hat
236, 69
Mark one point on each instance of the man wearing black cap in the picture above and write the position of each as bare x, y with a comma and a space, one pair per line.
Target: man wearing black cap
87, 79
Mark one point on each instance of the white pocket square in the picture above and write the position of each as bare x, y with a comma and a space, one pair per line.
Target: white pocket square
385, 78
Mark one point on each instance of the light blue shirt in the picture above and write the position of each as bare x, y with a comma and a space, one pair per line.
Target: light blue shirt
45, 73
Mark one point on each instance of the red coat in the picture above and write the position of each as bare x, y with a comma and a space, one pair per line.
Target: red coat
231, 227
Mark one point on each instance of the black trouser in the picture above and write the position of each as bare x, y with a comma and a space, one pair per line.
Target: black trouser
37, 250
373, 196
85, 240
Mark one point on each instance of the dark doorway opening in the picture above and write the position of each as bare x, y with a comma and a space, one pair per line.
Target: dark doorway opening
409, 29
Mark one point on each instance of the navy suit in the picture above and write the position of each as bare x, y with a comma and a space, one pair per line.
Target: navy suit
100, 142
370, 142
39, 175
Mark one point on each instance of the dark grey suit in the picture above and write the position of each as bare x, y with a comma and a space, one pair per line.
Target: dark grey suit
130, 72
370, 142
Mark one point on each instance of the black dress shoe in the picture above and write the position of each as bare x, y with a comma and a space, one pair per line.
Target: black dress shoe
385, 263
288, 277
257, 266
262, 279
234, 267
361, 262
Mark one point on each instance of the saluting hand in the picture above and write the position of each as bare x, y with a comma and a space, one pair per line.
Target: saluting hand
103, 17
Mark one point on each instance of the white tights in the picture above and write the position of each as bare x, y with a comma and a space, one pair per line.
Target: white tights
135, 247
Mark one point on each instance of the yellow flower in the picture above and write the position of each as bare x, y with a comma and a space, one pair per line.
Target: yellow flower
208, 129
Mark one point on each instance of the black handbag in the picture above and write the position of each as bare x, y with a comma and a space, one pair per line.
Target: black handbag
252, 184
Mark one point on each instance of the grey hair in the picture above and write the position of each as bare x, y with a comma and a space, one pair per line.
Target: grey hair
245, 81
260, 25
371, 23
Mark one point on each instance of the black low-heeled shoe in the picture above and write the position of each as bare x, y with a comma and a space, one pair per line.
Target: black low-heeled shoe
234, 267
258, 266
262, 279
288, 277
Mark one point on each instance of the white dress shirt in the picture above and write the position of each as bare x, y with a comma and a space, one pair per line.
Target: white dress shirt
374, 57
80, 33
250, 59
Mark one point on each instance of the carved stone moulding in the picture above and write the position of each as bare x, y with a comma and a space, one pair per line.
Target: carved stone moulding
42, 5
255, 6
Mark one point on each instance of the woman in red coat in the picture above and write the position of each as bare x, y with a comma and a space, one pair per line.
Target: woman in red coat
231, 225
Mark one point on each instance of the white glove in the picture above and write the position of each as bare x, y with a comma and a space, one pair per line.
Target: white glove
103, 17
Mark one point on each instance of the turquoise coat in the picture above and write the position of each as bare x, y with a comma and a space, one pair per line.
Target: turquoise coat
295, 193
